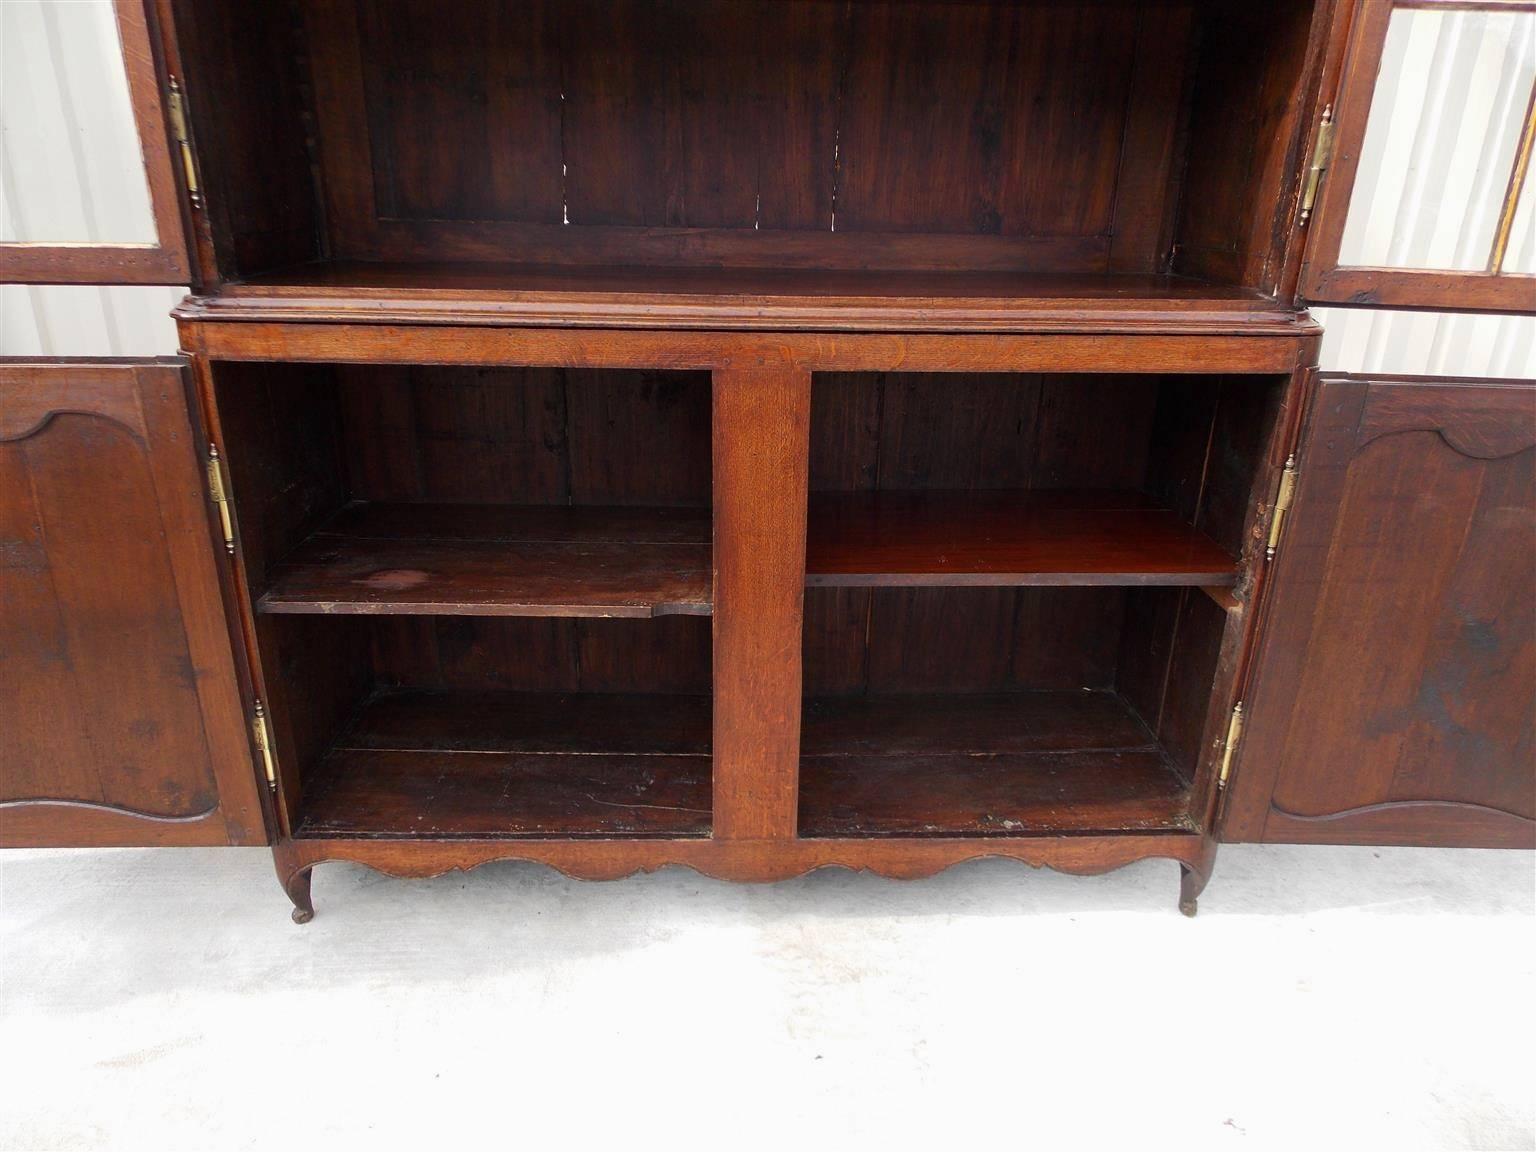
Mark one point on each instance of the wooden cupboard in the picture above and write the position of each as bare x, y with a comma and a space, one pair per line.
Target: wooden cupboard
761, 436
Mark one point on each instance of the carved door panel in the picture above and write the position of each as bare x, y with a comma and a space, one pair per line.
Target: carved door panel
1395, 695
119, 706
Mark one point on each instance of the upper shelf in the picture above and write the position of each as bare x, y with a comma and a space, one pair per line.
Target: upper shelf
747, 298
486, 560
1009, 538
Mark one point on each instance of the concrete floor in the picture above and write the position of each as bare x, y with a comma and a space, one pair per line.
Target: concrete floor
1325, 997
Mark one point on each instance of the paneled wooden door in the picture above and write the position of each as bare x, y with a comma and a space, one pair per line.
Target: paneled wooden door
121, 719
1395, 696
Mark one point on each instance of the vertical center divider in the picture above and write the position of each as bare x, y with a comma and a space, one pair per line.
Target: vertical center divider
761, 439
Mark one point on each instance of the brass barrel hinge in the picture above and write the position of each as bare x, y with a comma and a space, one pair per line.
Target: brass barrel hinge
176, 105
261, 730
219, 494
1322, 152
1234, 736
1283, 497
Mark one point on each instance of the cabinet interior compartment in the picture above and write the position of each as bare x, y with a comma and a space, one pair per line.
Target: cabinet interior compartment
1110, 149
481, 595
1020, 590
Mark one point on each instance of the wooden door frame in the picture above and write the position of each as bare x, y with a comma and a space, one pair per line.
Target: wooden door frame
167, 259
1323, 280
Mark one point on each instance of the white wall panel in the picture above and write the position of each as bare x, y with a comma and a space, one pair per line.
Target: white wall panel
86, 320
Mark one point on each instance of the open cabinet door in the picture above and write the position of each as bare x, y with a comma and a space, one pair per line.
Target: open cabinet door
1394, 700
97, 157
1420, 190
120, 707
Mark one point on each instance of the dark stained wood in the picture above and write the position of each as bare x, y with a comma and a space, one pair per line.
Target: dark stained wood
244, 83
80, 259
447, 795
969, 724
980, 297
576, 723
123, 719
464, 109
1156, 127
1393, 696
1009, 794
1005, 538
1123, 137
498, 561
527, 436
682, 349
1250, 119
761, 453
748, 860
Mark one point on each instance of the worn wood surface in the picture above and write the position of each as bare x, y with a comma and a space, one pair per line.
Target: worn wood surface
977, 298
988, 537
123, 720
499, 560
761, 436
1394, 690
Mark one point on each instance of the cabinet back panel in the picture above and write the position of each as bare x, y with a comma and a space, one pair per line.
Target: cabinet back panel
464, 653
855, 134
245, 93
527, 435
906, 640
899, 430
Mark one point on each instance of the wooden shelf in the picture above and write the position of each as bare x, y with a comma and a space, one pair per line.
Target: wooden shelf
870, 539
1008, 764
446, 765
648, 295
496, 560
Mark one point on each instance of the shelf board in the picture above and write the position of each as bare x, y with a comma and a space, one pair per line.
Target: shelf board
650, 295
1005, 538
499, 560
453, 765
1010, 764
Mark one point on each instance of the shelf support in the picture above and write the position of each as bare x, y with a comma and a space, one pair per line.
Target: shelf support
761, 433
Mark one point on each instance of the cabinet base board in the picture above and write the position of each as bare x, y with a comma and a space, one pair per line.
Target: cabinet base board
753, 861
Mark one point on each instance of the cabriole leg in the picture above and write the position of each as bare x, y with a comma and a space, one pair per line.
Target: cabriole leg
297, 887
1191, 883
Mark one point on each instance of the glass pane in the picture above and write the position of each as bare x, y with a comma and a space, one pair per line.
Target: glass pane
69, 148
1441, 139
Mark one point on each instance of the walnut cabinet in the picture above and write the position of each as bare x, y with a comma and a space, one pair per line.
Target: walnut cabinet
759, 436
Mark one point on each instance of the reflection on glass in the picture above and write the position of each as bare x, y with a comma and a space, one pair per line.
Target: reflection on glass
1441, 139
70, 167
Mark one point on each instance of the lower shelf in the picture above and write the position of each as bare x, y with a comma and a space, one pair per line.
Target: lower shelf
498, 765
1008, 764
436, 765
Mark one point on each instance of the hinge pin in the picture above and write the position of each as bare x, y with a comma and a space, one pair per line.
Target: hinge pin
262, 731
1321, 153
1283, 497
1234, 734
177, 107
218, 494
